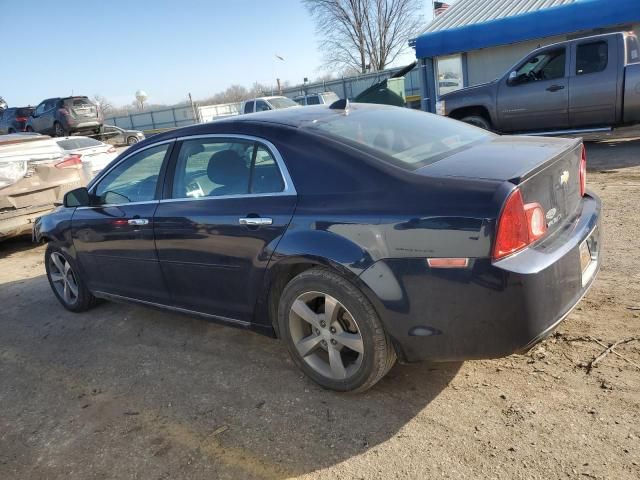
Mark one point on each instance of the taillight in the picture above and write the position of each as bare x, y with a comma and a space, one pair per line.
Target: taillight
518, 226
21, 119
583, 172
70, 161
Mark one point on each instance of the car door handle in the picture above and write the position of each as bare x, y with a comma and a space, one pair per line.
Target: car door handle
138, 221
555, 88
255, 221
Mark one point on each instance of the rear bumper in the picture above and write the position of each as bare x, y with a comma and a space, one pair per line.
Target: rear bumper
84, 125
18, 222
487, 310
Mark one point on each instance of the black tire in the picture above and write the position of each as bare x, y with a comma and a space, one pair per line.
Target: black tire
81, 302
59, 130
29, 129
477, 121
11, 130
132, 140
378, 354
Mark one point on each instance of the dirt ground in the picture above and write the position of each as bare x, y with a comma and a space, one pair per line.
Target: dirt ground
128, 392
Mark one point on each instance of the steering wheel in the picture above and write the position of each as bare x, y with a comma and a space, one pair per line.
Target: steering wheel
532, 76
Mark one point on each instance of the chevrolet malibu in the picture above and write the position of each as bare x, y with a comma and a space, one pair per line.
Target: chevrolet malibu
358, 234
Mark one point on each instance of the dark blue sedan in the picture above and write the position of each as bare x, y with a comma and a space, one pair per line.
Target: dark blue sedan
358, 234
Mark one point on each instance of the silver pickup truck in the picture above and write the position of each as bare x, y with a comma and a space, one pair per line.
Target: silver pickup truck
585, 85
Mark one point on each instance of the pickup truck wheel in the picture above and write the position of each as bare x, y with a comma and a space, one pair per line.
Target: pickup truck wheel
132, 141
59, 130
65, 281
477, 121
333, 333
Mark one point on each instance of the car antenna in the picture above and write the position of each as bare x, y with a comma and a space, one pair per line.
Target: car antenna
342, 104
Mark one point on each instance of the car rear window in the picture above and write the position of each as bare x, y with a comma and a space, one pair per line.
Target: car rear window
407, 138
23, 112
282, 102
77, 102
74, 143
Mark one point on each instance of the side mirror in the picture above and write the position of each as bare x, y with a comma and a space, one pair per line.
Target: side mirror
512, 77
78, 197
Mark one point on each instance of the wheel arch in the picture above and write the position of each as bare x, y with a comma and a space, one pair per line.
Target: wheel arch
479, 110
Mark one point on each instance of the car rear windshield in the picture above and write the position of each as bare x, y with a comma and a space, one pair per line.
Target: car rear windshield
75, 143
23, 112
407, 138
282, 102
77, 102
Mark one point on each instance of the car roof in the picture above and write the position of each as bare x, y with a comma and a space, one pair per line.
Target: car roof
296, 117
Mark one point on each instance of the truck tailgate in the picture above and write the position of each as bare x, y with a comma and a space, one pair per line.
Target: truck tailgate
631, 103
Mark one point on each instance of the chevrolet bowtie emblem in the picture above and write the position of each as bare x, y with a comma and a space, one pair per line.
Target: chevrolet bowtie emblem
564, 178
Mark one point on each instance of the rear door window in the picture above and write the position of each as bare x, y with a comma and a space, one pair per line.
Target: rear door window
313, 100
592, 57
248, 107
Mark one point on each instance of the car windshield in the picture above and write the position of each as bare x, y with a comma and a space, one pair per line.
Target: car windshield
407, 138
23, 112
75, 143
282, 102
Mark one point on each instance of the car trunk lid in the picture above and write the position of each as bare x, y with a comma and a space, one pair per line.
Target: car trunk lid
545, 169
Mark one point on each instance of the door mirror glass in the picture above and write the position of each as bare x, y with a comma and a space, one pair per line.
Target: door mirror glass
512, 77
76, 198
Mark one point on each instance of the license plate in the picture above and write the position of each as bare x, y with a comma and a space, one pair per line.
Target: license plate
589, 257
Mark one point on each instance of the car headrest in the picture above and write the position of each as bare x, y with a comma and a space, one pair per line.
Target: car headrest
227, 167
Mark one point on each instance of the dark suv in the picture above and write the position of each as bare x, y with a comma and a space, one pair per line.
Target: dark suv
14, 120
64, 116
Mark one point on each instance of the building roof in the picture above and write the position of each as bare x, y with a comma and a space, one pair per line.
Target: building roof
474, 24
467, 12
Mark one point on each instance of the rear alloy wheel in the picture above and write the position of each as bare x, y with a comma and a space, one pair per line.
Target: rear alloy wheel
65, 281
132, 141
333, 333
60, 132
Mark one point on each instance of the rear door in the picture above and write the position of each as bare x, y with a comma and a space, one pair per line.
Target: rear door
228, 201
114, 237
536, 94
593, 85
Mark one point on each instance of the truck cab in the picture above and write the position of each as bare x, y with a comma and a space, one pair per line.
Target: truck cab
581, 84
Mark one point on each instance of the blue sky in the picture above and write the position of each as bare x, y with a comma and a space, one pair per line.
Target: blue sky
166, 47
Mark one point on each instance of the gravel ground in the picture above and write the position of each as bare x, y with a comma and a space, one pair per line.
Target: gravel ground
128, 392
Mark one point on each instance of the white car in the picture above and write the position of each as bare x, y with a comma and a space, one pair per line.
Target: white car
95, 154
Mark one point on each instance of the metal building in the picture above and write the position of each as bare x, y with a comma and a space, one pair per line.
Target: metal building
477, 41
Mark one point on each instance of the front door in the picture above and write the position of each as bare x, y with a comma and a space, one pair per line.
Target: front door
593, 85
227, 206
536, 95
114, 237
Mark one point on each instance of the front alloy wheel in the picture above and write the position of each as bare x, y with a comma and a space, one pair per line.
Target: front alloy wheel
66, 282
63, 279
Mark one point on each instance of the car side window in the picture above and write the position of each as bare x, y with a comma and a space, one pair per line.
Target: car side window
217, 167
261, 106
248, 107
313, 100
133, 180
549, 65
592, 57
40, 108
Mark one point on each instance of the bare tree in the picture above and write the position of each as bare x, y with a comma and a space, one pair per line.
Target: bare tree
365, 33
105, 105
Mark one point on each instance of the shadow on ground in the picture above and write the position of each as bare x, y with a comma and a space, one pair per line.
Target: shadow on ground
613, 154
17, 244
123, 390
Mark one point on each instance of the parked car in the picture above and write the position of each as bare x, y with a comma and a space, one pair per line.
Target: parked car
95, 155
356, 239
14, 119
583, 85
34, 175
324, 98
263, 104
65, 116
120, 136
